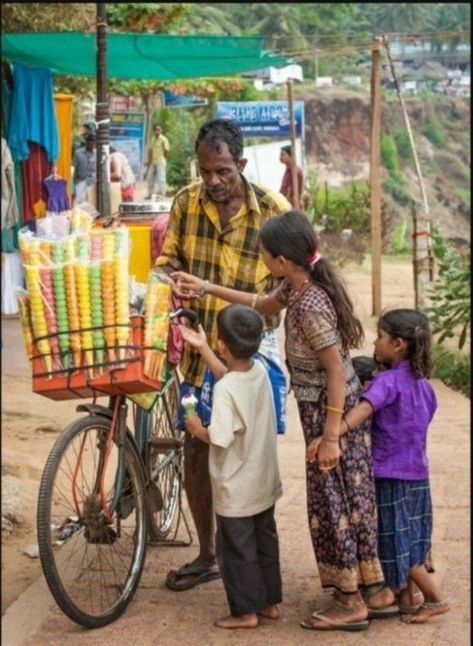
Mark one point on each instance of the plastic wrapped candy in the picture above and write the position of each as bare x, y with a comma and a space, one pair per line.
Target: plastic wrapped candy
122, 308
60, 298
25, 319
96, 303
81, 273
108, 292
30, 251
47, 292
157, 308
72, 299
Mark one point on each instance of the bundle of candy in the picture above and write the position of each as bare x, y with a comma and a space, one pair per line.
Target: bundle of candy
158, 302
77, 296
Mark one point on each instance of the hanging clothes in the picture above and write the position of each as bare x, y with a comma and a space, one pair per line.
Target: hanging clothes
34, 171
56, 188
32, 113
63, 104
10, 214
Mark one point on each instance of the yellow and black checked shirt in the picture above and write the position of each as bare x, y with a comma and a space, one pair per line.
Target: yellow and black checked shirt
196, 243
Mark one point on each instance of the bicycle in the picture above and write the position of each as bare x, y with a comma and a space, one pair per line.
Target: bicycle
103, 492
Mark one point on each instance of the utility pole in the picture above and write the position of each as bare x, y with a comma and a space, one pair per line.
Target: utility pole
295, 183
375, 184
102, 117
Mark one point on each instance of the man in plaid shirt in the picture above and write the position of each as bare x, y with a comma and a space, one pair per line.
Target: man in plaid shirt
213, 234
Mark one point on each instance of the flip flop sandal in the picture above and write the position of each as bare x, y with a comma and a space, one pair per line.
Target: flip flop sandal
200, 574
353, 626
383, 613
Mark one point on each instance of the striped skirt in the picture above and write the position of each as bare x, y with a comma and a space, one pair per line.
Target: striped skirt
404, 527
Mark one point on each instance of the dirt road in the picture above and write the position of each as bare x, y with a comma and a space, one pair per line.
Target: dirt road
159, 616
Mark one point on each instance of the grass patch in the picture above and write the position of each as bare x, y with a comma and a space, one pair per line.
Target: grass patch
14, 413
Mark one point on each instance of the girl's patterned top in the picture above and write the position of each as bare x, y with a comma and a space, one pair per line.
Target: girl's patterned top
311, 325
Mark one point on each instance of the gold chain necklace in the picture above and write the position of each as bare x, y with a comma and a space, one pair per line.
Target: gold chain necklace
295, 294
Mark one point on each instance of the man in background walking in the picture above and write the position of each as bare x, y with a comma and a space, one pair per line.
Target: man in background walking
157, 152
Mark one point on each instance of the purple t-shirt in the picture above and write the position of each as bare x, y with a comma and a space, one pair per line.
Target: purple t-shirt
403, 409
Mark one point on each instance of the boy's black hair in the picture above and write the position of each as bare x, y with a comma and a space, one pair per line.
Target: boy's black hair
364, 367
287, 149
413, 327
215, 131
240, 327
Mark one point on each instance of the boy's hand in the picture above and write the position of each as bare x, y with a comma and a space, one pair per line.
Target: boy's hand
197, 339
192, 424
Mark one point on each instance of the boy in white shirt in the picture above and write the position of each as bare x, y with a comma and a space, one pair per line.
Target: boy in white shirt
243, 467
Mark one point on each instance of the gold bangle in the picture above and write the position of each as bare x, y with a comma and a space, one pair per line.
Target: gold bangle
335, 410
254, 301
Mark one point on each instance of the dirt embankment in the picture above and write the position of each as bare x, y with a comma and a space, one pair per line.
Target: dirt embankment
337, 127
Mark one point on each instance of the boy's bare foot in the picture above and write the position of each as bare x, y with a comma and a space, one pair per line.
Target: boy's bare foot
230, 622
426, 612
381, 599
271, 612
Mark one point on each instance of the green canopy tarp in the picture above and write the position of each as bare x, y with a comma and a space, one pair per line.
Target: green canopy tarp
159, 57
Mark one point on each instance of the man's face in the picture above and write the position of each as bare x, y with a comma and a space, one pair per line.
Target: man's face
157, 131
219, 171
90, 145
284, 157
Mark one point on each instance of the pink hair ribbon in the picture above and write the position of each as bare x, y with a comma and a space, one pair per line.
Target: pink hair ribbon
314, 258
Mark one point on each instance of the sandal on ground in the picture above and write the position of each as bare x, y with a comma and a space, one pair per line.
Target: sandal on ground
331, 624
190, 575
383, 613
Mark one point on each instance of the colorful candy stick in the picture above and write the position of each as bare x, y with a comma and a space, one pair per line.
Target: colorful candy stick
38, 319
122, 299
46, 277
25, 318
81, 274
61, 302
108, 292
96, 305
157, 306
72, 300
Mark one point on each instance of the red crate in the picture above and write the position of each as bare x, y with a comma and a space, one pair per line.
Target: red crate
125, 379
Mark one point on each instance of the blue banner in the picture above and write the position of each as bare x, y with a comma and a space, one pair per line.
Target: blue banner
182, 101
127, 134
263, 118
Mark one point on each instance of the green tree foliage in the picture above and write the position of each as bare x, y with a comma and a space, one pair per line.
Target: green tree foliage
450, 295
389, 153
433, 131
403, 144
48, 16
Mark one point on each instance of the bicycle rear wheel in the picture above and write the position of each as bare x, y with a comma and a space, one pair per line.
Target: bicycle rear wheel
92, 565
163, 464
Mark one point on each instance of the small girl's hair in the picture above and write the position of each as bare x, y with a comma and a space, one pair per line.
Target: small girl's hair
241, 329
292, 236
413, 327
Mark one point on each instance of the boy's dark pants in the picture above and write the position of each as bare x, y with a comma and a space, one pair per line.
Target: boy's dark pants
248, 555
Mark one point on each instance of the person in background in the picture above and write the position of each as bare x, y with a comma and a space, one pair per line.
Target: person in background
158, 150
121, 171
285, 157
243, 466
84, 162
213, 232
402, 403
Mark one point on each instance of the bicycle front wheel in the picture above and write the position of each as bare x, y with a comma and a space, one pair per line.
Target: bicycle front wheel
92, 557
163, 464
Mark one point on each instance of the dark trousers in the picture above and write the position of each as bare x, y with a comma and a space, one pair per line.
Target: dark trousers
248, 555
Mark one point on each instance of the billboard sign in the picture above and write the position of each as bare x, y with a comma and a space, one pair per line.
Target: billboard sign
127, 134
263, 118
182, 101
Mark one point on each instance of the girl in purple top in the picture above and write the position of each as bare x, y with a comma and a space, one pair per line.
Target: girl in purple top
402, 404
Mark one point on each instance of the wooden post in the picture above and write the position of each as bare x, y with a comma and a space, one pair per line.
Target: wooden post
102, 118
421, 259
420, 179
375, 184
295, 183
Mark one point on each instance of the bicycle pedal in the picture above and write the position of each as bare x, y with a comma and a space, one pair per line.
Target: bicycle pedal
164, 444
